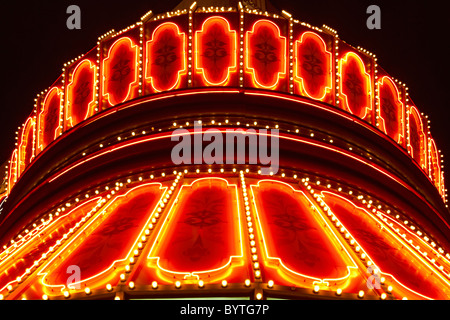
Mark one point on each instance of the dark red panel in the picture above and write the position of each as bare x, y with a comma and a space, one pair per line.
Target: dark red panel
391, 109
120, 71
216, 51
49, 118
313, 66
293, 236
113, 239
15, 265
202, 233
387, 253
166, 57
355, 85
80, 101
265, 54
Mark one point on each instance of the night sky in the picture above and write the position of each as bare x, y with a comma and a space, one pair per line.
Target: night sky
412, 46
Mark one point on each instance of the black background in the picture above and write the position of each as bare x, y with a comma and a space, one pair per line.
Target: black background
412, 46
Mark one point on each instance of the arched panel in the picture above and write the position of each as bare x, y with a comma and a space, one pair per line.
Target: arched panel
166, 57
80, 102
265, 54
216, 51
295, 242
108, 239
313, 66
201, 235
417, 140
49, 117
26, 145
120, 71
391, 109
355, 85
392, 255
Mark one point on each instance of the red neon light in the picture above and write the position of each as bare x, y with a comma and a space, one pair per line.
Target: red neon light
204, 236
216, 51
417, 141
80, 102
49, 128
265, 53
391, 109
12, 174
355, 85
16, 264
166, 57
312, 66
389, 252
120, 70
26, 145
435, 165
110, 242
294, 240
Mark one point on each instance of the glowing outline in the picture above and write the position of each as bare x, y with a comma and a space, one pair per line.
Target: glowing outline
40, 120
233, 51
401, 241
298, 79
164, 227
367, 77
422, 137
251, 70
99, 213
69, 92
401, 121
327, 237
136, 70
183, 58
30, 124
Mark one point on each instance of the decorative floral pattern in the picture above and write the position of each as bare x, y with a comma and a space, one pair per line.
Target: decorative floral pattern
313, 65
120, 70
355, 85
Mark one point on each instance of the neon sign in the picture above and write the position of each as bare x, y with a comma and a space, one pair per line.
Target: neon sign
49, 118
391, 109
26, 146
166, 57
216, 51
417, 141
355, 85
120, 71
265, 54
313, 66
80, 101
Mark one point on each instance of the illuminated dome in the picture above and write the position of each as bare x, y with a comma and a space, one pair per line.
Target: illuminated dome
96, 207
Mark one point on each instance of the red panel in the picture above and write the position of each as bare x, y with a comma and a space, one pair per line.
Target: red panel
391, 109
38, 241
166, 57
201, 234
265, 54
313, 66
113, 239
435, 166
80, 103
120, 71
417, 139
12, 173
26, 145
387, 253
295, 243
216, 51
355, 85
49, 118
